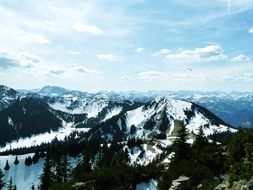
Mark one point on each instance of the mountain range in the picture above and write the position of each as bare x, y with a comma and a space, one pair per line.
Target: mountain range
145, 124
39, 116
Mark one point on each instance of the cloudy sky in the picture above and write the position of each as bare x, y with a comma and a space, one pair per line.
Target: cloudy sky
142, 45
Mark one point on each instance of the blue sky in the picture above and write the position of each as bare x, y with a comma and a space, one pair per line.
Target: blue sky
117, 45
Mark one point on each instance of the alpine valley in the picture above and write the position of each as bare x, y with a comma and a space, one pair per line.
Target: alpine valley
69, 139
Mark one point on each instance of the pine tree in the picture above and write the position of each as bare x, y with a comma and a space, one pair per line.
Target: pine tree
28, 161
182, 148
201, 140
36, 157
2, 184
86, 160
46, 178
7, 166
58, 170
62, 169
16, 160
66, 169
33, 188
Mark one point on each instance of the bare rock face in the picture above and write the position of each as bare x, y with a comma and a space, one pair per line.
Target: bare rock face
181, 183
88, 185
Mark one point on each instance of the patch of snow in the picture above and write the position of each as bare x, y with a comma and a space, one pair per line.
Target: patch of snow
79, 105
199, 120
23, 176
10, 121
143, 155
135, 117
150, 185
43, 138
112, 112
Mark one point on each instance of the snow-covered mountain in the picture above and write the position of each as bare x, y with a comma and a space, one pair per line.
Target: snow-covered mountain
34, 117
29, 119
7, 96
160, 118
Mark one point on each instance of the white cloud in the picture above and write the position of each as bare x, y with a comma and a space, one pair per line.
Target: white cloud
57, 72
240, 58
150, 75
161, 52
208, 53
86, 70
139, 49
35, 38
108, 57
245, 76
12, 59
251, 30
81, 27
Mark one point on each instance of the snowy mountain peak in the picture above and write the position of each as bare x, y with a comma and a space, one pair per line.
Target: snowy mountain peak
161, 117
6, 91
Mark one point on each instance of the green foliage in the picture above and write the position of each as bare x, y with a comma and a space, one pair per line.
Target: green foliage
239, 161
209, 184
197, 173
201, 162
236, 146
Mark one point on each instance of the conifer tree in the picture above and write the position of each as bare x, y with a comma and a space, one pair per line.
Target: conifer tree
201, 140
86, 160
2, 184
58, 170
7, 166
182, 148
66, 169
16, 160
28, 161
36, 157
46, 178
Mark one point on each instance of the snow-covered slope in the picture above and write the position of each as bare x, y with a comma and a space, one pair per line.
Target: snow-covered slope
47, 137
25, 176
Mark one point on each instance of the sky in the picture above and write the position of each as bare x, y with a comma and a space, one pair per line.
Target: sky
95, 45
